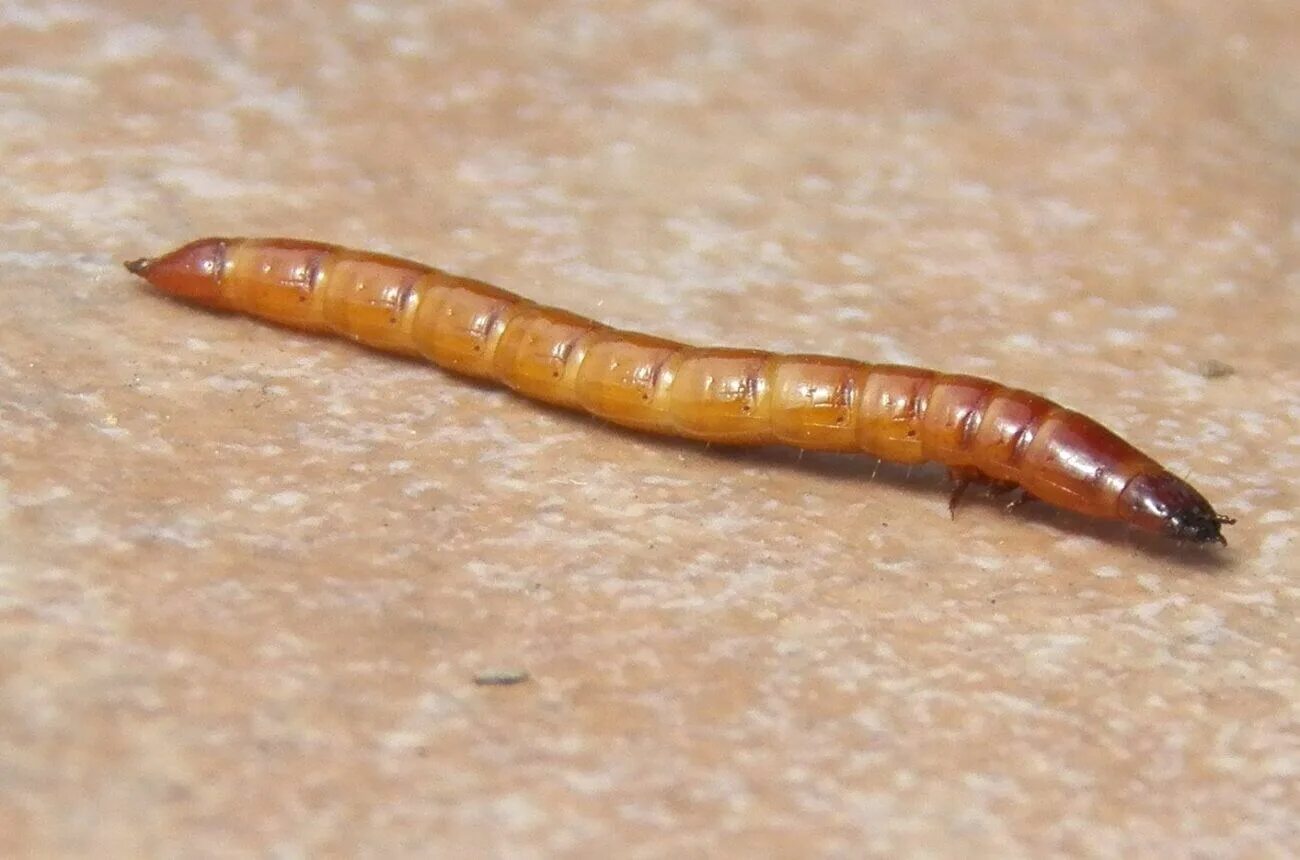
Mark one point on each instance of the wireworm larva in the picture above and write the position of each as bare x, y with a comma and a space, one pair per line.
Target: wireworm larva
977, 428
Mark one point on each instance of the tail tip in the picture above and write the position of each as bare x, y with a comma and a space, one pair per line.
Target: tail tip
137, 267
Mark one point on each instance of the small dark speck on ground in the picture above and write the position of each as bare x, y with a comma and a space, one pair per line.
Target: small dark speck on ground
500, 677
1212, 368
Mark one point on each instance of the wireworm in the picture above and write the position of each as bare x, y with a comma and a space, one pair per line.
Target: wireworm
981, 430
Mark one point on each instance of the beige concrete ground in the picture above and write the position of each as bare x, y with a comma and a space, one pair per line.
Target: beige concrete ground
247, 578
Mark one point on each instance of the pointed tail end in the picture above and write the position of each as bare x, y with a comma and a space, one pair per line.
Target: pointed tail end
193, 272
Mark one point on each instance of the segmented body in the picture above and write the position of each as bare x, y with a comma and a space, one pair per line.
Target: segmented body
975, 426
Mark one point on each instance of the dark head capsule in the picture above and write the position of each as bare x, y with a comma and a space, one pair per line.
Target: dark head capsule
1164, 503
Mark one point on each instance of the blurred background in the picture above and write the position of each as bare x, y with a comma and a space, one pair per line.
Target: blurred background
248, 579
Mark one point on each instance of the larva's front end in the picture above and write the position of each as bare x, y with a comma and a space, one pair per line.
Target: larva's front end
1075, 463
1166, 504
193, 272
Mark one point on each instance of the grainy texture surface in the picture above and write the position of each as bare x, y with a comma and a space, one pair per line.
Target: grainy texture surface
248, 580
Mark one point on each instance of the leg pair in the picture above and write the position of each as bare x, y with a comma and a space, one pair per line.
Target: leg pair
963, 477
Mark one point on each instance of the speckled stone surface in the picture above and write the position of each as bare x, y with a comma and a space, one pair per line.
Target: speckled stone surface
248, 578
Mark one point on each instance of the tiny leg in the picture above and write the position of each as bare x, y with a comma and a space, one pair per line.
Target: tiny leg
961, 479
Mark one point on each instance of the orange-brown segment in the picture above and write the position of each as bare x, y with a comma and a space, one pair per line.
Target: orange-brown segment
722, 395
372, 300
814, 401
458, 322
535, 352
953, 412
889, 413
619, 374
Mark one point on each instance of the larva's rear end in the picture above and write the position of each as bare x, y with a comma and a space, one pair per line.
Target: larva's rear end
193, 272
267, 278
311, 286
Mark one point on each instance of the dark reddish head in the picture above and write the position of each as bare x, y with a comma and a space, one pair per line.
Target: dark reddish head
191, 272
1167, 504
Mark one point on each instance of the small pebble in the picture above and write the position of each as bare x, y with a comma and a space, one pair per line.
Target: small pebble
500, 677
1212, 368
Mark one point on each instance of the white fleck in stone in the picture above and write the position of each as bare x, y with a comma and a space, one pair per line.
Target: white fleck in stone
84, 534
288, 499
370, 13
1020, 342
1155, 313
515, 812
402, 741
221, 382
